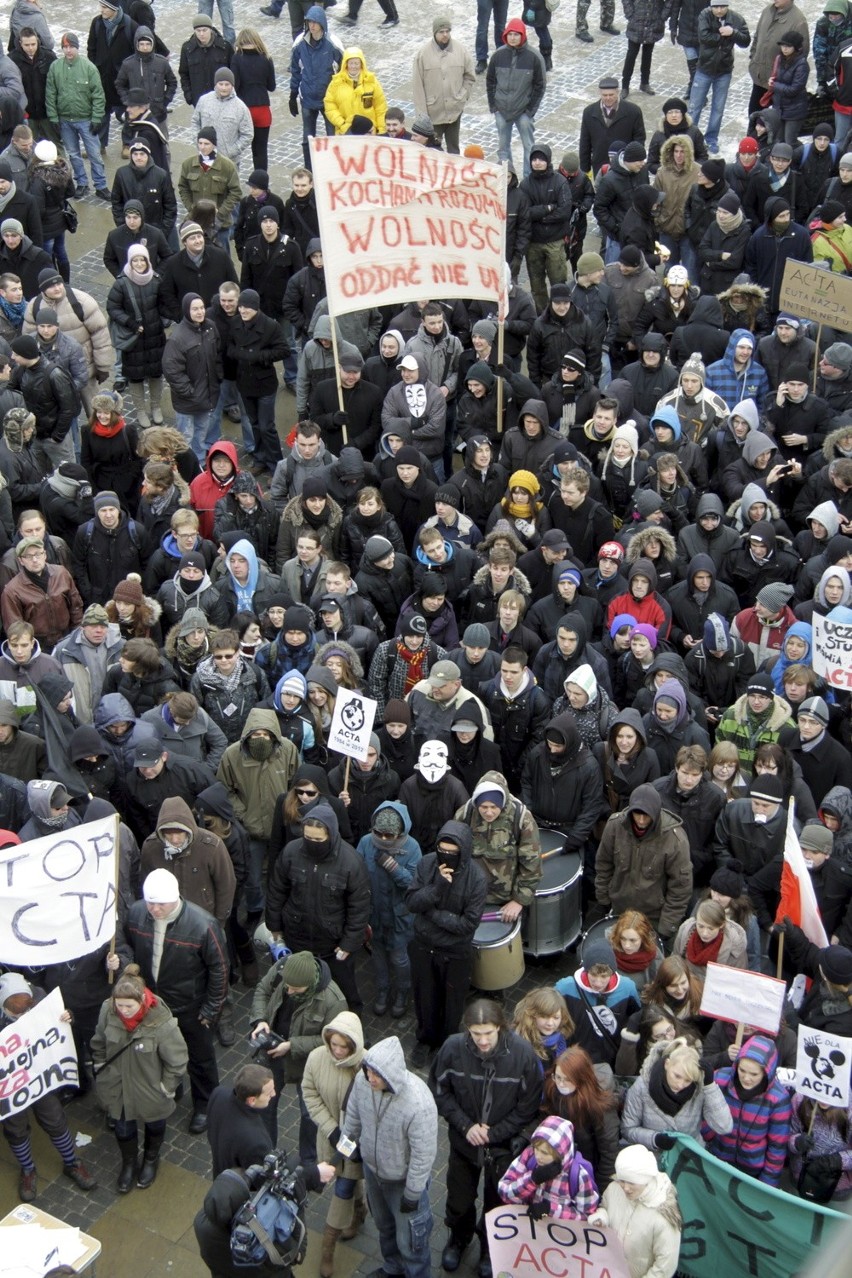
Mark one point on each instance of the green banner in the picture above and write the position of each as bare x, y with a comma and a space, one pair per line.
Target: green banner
735, 1225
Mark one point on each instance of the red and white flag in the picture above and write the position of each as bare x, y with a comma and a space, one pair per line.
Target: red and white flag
798, 900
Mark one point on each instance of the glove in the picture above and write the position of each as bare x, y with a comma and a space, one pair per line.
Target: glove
664, 1140
340, 419
537, 1211
408, 1205
102, 375
803, 1143
544, 1172
708, 1073
780, 929
334, 1137
293, 104
515, 266
501, 370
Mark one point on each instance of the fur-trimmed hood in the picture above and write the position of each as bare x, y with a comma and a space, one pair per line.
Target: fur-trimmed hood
148, 615
56, 176
347, 651
677, 139
638, 543
779, 714
170, 641
755, 298
293, 513
734, 515
829, 447
520, 582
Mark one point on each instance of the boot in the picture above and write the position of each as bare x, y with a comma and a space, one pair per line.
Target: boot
247, 959
225, 1031
150, 1160
359, 1215
129, 1154
388, 8
691, 66
329, 1242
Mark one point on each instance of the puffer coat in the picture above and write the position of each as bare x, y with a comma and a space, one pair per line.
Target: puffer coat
145, 356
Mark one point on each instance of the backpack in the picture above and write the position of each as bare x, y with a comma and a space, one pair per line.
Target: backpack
132, 532
578, 1164
269, 1227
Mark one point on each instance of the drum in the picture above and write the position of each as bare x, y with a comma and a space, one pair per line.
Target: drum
554, 920
498, 956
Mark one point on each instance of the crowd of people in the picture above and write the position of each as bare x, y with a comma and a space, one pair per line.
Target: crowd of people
578, 578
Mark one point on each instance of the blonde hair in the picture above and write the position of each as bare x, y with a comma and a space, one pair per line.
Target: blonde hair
248, 38
679, 1052
711, 913
544, 1001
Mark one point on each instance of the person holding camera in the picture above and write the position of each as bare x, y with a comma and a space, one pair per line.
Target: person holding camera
291, 1006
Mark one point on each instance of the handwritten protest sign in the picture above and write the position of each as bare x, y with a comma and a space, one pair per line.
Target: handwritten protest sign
730, 994
37, 1055
351, 724
822, 1066
832, 655
810, 293
401, 222
519, 1245
59, 894
736, 1225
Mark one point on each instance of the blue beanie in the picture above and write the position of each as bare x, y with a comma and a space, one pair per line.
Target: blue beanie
717, 636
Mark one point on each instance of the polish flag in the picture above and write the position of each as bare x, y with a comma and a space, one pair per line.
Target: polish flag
798, 901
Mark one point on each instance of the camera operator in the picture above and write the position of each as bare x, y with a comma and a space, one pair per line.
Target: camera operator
226, 1195
293, 1003
236, 1129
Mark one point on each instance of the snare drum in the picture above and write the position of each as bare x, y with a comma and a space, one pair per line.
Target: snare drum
554, 920
498, 956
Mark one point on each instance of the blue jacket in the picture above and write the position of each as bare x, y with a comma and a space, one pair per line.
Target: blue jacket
392, 924
732, 386
313, 64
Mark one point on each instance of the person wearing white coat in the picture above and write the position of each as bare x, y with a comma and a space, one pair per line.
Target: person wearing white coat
640, 1206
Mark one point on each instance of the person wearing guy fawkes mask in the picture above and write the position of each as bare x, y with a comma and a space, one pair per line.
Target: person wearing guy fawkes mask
431, 794
300, 905
446, 898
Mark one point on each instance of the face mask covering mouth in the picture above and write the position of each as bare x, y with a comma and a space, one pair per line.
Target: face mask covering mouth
260, 748
316, 848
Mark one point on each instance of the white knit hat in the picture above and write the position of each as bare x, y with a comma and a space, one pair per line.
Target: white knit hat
636, 1165
161, 888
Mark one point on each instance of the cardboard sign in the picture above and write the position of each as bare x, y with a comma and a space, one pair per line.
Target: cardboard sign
59, 895
812, 294
351, 723
730, 994
832, 653
734, 1225
519, 1246
823, 1063
400, 222
37, 1055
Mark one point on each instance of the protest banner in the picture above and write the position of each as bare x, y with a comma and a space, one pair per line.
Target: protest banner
400, 223
519, 1245
822, 1066
734, 1224
59, 894
832, 654
37, 1055
351, 724
744, 998
810, 293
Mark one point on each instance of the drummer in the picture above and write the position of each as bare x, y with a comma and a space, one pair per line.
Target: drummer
506, 845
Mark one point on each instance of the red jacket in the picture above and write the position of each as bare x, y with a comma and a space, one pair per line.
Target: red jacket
648, 611
205, 490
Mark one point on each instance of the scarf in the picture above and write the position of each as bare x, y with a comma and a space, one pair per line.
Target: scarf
14, 311
133, 1022
211, 677
107, 432
111, 24
807, 746
188, 656
527, 511
206, 161
699, 953
637, 962
671, 1103
135, 277
8, 197
414, 662
158, 504
159, 938
320, 520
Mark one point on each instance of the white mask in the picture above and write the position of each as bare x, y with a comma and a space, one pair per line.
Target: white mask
565, 1089
433, 761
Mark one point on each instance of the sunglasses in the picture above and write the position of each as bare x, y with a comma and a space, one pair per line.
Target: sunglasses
224, 656
312, 794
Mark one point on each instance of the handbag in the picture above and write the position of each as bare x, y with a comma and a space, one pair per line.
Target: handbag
817, 1182
72, 221
766, 98
124, 339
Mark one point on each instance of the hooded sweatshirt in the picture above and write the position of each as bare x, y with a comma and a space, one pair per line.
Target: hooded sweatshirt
397, 1128
202, 866
570, 1195
757, 1144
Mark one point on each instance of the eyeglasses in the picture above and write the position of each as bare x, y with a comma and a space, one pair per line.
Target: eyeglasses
309, 793
34, 554
224, 656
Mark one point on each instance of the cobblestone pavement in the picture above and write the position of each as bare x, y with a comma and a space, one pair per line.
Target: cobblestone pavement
150, 1233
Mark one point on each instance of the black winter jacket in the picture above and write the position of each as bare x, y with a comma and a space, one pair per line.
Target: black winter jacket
446, 915
152, 187
268, 268
134, 306
198, 62
103, 558
180, 276
193, 971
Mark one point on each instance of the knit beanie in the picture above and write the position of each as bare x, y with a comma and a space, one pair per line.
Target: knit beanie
161, 888
106, 498
299, 970
647, 502
817, 838
476, 635
696, 366
293, 684
836, 963
589, 262
298, 617
618, 623
774, 596
489, 792
192, 559
130, 590
397, 711
598, 952
314, 486
717, 634
767, 787
649, 632
192, 619
729, 880
377, 548
485, 328
816, 708
636, 1165
584, 678
387, 821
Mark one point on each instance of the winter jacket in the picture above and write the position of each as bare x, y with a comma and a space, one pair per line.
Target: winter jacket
345, 98
133, 306
180, 276
442, 80
218, 182
718, 274
74, 91
397, 1129
215, 699
231, 119
390, 920
739, 837
652, 874
767, 253
716, 52
642, 1117
52, 610
599, 132
238, 1135
508, 849
564, 792
732, 953
326, 1084
555, 1195
138, 1084
193, 972
308, 1014
150, 72
549, 198
614, 196
203, 870
757, 1141
598, 1017
152, 186
313, 63
446, 915
255, 785
515, 79
199, 62
192, 365
103, 558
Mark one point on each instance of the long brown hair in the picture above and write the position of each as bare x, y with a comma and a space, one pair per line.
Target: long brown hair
632, 920
670, 970
545, 1001
590, 1102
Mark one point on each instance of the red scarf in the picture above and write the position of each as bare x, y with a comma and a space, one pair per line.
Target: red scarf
635, 962
414, 662
133, 1022
107, 432
700, 954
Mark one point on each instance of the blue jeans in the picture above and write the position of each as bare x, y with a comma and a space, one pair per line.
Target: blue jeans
701, 86
194, 427
525, 125
55, 247
484, 10
73, 133
841, 128
403, 1238
682, 253
290, 362
226, 12
391, 968
228, 395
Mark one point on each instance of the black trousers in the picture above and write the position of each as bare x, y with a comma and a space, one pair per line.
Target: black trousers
460, 1213
440, 983
203, 1069
630, 62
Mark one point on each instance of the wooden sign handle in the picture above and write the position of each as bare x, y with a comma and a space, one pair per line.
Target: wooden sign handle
738, 1040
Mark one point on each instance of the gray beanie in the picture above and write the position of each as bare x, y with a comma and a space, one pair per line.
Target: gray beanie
485, 328
775, 595
476, 635
839, 354
816, 708
817, 838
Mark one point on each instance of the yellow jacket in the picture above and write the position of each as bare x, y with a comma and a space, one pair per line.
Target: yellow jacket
345, 98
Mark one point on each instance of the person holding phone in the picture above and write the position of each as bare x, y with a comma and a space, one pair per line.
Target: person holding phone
801, 419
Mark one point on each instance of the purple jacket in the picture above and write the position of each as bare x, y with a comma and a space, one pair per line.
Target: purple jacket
757, 1143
